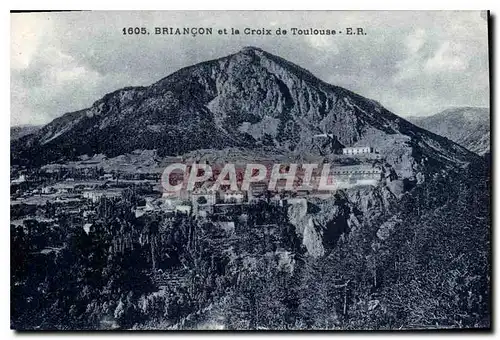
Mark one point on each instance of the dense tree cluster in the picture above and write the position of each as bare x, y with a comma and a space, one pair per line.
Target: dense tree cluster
160, 271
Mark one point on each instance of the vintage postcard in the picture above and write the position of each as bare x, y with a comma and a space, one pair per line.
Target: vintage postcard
250, 170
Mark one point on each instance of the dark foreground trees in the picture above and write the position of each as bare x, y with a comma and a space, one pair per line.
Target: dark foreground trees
430, 270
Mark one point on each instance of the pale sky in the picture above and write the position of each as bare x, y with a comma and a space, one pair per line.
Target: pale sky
413, 63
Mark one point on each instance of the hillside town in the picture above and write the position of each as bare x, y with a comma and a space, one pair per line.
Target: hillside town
76, 192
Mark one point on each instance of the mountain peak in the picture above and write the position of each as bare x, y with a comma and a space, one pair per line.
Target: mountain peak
252, 54
251, 99
468, 113
251, 49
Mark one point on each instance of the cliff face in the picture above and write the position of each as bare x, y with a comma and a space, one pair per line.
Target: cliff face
321, 224
251, 99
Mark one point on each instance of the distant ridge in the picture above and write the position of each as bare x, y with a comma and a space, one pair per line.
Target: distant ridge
19, 131
467, 126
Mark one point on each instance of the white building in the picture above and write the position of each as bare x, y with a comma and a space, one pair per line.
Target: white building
234, 197
357, 150
208, 198
323, 135
20, 179
183, 209
147, 208
107, 177
94, 196
86, 227
48, 190
169, 204
257, 191
204, 196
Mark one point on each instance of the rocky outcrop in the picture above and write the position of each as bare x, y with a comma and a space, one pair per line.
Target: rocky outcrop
320, 224
385, 230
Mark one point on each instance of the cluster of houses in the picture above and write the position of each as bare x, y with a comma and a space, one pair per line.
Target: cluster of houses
65, 191
203, 200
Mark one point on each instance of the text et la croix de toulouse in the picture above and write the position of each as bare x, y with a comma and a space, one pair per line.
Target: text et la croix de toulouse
194, 31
